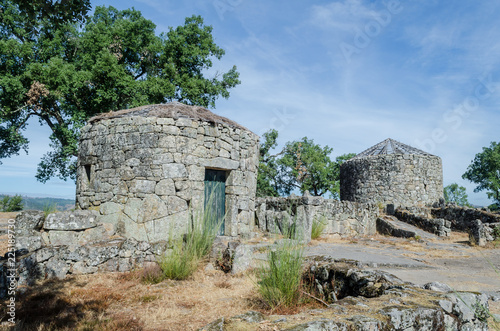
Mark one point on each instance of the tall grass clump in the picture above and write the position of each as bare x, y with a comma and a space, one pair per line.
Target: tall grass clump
318, 226
49, 208
187, 252
280, 278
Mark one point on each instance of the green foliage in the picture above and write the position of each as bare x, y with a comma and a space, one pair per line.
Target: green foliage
318, 226
485, 171
268, 168
11, 203
52, 70
456, 194
187, 252
301, 165
280, 278
496, 232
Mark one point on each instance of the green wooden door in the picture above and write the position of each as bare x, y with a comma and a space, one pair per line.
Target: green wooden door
215, 197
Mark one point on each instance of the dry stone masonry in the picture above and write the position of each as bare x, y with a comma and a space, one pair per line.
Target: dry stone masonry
144, 169
392, 173
277, 215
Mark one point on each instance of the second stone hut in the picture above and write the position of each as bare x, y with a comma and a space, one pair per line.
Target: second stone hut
147, 170
392, 173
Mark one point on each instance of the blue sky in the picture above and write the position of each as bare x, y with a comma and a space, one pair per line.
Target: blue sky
347, 74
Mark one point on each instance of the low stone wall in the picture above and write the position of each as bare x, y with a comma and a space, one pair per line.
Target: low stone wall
461, 217
71, 243
438, 226
277, 215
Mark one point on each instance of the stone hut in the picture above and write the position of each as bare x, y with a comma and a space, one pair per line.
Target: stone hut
149, 170
392, 173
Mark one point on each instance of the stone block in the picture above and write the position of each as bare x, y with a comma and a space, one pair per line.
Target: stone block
165, 187
142, 186
81, 268
175, 205
220, 163
71, 220
152, 208
63, 238
31, 241
183, 122
56, 268
174, 170
110, 208
29, 220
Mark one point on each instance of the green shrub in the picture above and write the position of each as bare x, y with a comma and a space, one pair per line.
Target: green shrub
318, 226
280, 278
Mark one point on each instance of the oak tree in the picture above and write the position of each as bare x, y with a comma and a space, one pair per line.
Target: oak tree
485, 171
64, 68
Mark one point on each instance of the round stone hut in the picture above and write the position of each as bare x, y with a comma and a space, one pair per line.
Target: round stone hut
392, 173
149, 170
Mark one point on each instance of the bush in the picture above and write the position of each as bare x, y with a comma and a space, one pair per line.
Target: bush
280, 278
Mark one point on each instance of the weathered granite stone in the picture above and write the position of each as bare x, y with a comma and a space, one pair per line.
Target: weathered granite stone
29, 220
30, 240
71, 220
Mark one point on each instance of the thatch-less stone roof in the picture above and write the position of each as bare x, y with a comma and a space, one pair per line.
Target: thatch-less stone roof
173, 110
390, 146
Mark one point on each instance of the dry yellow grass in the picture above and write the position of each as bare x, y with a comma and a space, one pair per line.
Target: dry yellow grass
115, 301
4, 218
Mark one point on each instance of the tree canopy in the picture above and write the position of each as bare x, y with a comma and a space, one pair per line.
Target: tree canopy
11, 203
456, 194
485, 171
60, 72
301, 165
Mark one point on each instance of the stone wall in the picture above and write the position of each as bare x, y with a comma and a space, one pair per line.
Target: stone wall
145, 174
438, 226
461, 217
276, 215
399, 179
74, 243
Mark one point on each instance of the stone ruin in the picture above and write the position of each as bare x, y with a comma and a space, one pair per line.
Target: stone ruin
146, 170
392, 173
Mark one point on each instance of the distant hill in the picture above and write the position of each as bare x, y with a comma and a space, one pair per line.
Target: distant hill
46, 203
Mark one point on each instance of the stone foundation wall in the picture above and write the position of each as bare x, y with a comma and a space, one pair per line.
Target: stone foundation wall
438, 226
347, 218
399, 179
72, 243
145, 174
461, 217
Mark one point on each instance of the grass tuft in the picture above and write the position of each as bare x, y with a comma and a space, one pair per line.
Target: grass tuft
188, 252
318, 226
280, 280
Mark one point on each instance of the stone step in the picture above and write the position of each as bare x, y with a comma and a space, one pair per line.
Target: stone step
390, 225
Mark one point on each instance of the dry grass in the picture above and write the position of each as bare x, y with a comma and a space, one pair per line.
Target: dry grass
4, 218
122, 302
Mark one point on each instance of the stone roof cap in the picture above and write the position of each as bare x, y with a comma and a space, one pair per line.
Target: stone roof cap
390, 146
173, 110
